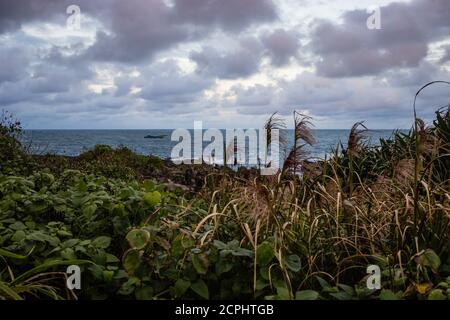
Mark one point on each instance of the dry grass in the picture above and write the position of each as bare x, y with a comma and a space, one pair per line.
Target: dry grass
336, 230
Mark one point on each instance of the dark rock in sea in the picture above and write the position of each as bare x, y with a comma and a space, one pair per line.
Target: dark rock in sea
155, 137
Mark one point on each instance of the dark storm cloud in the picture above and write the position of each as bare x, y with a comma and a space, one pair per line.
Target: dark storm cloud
164, 86
351, 49
13, 64
140, 29
349, 99
54, 87
414, 77
245, 60
381, 70
166, 83
26, 75
231, 15
13, 92
254, 96
15, 13
54, 78
240, 62
281, 45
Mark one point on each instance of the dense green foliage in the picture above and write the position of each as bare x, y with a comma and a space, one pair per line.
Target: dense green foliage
12, 155
138, 235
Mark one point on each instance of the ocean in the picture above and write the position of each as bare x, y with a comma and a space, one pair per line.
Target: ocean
74, 142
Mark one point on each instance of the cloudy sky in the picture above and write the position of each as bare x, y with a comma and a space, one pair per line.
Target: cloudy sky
167, 63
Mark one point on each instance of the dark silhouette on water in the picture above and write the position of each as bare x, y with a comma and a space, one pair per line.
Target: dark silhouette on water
155, 137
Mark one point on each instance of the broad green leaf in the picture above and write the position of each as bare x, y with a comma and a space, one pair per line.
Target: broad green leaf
187, 242
30, 224
177, 247
111, 258
261, 284
200, 262
108, 275
223, 267
220, 245
144, 293
293, 262
152, 198
387, 294
131, 261
264, 253
431, 259
89, 210
43, 237
200, 288
242, 252
18, 226
347, 289
149, 185
70, 243
436, 294
68, 254
85, 242
283, 293
102, 242
18, 236
138, 238
38, 208
120, 274
96, 271
181, 286
306, 295
264, 272
129, 286
323, 283
99, 258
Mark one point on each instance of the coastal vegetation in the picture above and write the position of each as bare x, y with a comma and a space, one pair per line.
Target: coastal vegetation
141, 227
